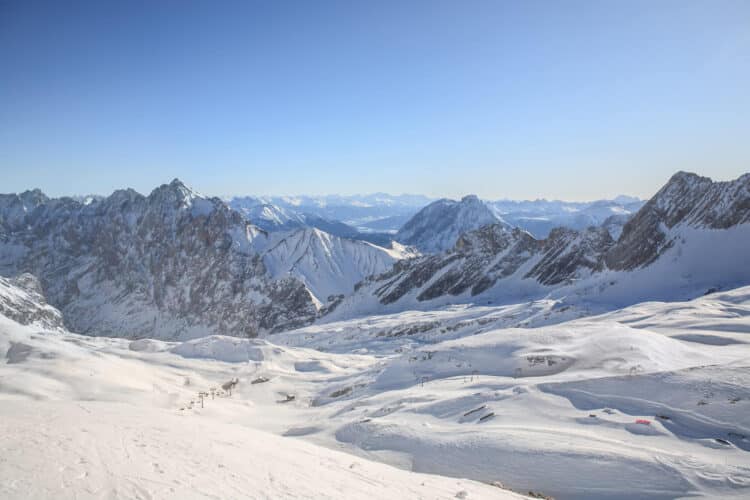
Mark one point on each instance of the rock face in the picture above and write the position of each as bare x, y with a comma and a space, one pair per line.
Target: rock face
495, 255
483, 257
687, 200
437, 226
22, 300
168, 265
175, 264
14, 208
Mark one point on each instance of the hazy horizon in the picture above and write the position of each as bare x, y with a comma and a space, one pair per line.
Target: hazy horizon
270, 196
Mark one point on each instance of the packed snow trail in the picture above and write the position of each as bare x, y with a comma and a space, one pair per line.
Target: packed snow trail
57, 449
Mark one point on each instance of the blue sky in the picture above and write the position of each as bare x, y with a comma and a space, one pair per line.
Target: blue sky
570, 100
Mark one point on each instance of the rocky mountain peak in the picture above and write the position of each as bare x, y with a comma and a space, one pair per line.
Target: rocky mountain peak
33, 198
687, 211
687, 200
175, 193
438, 226
470, 198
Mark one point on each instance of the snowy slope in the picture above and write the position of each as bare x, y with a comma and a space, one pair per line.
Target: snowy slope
551, 409
329, 266
90, 418
555, 408
96, 450
87, 417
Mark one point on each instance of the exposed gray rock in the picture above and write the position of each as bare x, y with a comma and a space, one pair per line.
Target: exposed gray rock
482, 258
168, 265
686, 199
23, 301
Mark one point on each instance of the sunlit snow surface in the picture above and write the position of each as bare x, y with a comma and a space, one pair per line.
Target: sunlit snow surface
531, 396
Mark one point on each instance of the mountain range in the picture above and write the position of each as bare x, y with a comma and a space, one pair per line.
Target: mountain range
378, 218
691, 237
176, 264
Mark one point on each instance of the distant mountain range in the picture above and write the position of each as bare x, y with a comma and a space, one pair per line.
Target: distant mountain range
176, 264
357, 211
381, 218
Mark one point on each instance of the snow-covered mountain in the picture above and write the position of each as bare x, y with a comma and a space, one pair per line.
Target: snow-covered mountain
272, 218
690, 237
267, 216
329, 266
173, 264
539, 217
356, 211
437, 226
687, 201
373, 217
176, 264
540, 394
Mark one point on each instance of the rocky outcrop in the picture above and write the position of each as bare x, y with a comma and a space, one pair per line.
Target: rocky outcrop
14, 209
22, 300
481, 258
569, 254
687, 200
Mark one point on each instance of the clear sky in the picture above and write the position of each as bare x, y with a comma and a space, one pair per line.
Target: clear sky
505, 99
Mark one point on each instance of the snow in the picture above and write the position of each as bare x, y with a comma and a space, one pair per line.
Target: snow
699, 260
418, 404
96, 450
326, 264
91, 417
227, 349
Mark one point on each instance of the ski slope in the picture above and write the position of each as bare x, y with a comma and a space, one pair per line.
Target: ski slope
651, 401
